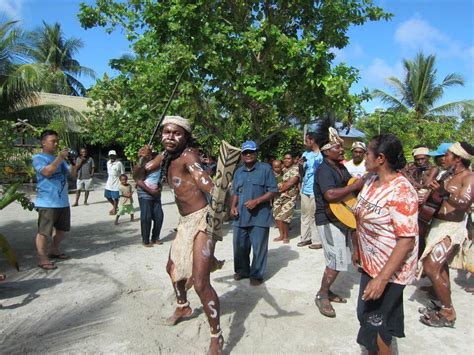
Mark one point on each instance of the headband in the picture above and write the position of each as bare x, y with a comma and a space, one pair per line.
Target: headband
457, 149
420, 151
178, 121
334, 139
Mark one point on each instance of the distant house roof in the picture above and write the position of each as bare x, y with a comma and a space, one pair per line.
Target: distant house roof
75, 102
349, 133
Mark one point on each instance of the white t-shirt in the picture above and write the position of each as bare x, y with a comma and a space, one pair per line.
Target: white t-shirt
355, 170
114, 170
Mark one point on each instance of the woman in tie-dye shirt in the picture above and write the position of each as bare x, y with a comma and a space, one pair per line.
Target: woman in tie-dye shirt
387, 238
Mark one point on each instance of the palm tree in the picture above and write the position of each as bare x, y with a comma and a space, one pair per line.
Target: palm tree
418, 91
56, 54
18, 79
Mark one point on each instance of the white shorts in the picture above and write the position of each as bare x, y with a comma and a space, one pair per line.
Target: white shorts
85, 185
336, 245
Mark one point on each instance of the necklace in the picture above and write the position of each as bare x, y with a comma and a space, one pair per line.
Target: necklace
459, 172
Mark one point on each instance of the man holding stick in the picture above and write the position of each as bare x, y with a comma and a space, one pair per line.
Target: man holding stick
191, 257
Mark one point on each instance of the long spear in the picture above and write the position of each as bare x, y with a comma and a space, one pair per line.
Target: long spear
166, 108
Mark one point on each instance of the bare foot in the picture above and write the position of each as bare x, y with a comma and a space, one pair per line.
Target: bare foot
74, 205
180, 313
217, 265
2, 276
86, 204
116, 223
216, 346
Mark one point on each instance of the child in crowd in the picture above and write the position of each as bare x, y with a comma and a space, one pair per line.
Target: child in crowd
126, 199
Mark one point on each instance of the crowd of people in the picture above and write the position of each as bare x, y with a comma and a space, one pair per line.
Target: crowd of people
391, 243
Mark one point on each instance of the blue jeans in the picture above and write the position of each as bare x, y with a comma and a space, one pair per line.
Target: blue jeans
246, 238
150, 210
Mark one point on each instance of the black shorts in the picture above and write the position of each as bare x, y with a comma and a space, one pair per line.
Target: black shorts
382, 317
49, 218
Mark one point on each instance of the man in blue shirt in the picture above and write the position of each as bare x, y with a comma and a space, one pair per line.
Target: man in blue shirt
253, 188
52, 201
310, 160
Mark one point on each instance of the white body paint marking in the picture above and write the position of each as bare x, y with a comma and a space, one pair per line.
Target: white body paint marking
176, 181
198, 166
206, 251
211, 305
204, 181
148, 165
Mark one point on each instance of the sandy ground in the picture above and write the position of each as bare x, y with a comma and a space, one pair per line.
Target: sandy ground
112, 297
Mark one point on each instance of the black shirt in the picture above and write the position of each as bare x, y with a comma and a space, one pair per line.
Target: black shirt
327, 178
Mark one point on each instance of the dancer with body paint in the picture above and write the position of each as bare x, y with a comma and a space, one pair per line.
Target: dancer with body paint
444, 243
191, 256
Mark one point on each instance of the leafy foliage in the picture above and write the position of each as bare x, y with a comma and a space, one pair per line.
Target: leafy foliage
253, 69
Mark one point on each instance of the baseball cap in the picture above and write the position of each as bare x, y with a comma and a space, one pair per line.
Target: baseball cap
249, 145
112, 152
360, 145
441, 150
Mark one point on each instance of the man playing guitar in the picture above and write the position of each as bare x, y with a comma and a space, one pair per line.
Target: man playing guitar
448, 232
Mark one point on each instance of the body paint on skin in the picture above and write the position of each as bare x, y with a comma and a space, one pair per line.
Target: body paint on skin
206, 250
204, 181
211, 305
176, 181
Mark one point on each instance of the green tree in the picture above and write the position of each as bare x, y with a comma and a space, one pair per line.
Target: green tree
418, 92
252, 68
55, 54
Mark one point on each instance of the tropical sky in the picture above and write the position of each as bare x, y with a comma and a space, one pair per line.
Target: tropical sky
441, 27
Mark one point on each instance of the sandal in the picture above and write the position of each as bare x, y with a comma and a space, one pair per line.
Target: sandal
437, 320
286, 241
426, 311
335, 298
47, 266
278, 239
324, 306
59, 256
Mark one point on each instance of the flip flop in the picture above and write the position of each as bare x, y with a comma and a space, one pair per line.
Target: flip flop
324, 308
426, 311
286, 241
278, 239
59, 256
47, 266
437, 320
336, 298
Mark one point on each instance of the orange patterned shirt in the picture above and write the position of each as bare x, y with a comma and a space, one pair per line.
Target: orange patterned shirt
385, 213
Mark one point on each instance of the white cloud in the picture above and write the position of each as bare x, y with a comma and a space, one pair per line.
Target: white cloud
11, 9
378, 71
419, 34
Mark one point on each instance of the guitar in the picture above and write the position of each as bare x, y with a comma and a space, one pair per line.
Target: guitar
430, 208
343, 210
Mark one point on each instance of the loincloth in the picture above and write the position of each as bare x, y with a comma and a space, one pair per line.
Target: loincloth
457, 233
181, 252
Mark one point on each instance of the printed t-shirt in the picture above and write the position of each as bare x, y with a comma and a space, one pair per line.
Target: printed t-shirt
52, 190
384, 214
355, 170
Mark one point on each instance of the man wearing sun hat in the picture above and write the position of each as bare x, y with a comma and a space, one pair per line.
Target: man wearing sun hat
115, 168
253, 187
